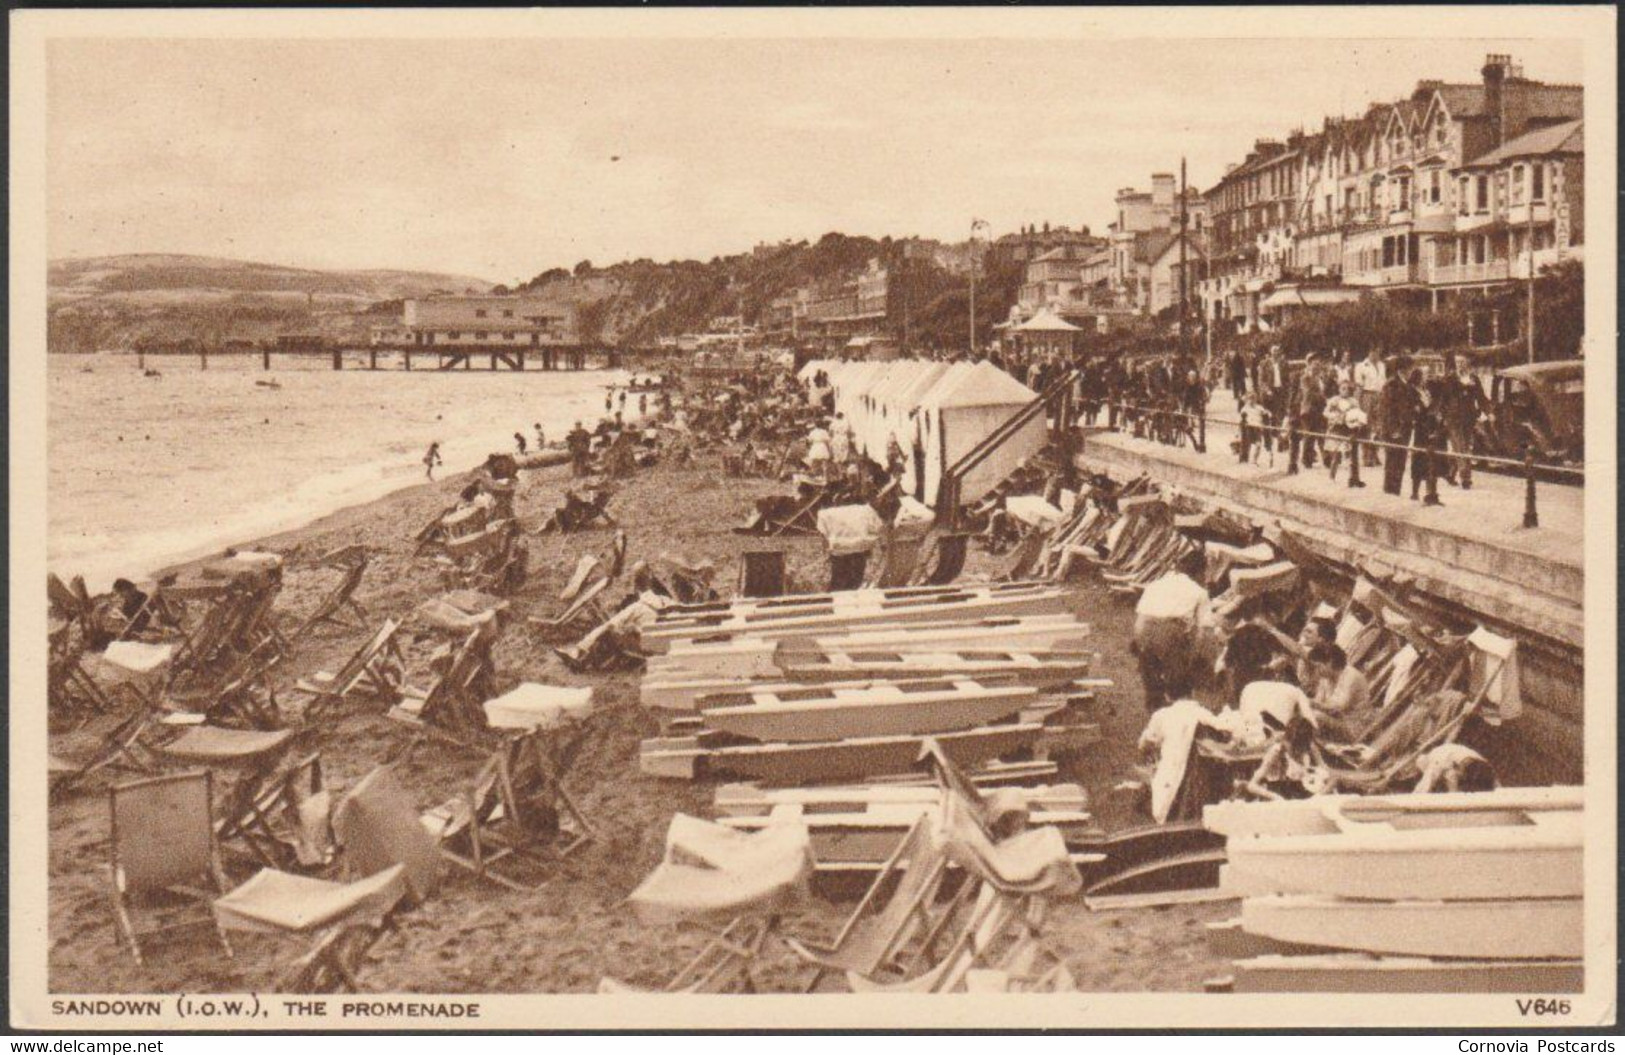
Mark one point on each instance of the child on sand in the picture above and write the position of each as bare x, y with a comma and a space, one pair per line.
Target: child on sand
519, 439
431, 458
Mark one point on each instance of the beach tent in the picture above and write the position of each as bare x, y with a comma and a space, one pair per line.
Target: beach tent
877, 405
962, 408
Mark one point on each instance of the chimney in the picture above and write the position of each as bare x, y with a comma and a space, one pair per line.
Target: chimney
1495, 75
1162, 190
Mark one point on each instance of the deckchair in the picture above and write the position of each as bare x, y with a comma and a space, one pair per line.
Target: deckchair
256, 756
122, 745
376, 670
247, 699
341, 598
163, 843
1434, 719
711, 873
377, 826
947, 560
281, 903
587, 610
895, 909
690, 583
452, 703
503, 570
761, 573
515, 809
70, 691
1025, 556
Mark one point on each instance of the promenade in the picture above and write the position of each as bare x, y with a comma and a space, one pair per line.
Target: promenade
1471, 550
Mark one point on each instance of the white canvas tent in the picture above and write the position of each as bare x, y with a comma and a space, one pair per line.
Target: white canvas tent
959, 411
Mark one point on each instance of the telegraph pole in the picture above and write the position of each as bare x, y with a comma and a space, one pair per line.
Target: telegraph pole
1182, 260
1529, 238
975, 227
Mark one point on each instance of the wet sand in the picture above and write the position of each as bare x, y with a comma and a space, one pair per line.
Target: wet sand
476, 937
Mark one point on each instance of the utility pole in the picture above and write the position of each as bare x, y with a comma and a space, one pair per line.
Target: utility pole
1183, 265
976, 226
1529, 239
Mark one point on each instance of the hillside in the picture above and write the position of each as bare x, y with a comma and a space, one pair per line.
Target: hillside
639, 301
114, 301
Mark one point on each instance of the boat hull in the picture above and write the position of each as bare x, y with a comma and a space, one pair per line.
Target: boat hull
1501, 929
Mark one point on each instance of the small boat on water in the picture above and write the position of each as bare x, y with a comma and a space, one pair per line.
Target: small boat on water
1491, 929
799, 714
1540, 859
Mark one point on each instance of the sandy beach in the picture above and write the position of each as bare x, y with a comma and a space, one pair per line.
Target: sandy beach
474, 937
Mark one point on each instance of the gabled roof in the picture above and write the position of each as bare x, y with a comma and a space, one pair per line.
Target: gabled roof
1565, 138
980, 385
1148, 245
1046, 321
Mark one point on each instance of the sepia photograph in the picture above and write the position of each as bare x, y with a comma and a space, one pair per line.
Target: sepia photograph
674, 519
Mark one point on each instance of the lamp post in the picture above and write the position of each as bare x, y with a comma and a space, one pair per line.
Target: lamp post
976, 227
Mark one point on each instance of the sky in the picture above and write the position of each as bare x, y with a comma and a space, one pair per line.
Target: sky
502, 158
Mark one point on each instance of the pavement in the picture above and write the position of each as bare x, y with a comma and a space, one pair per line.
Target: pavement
1490, 513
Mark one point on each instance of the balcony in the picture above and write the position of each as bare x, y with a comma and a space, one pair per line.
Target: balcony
1454, 274
1518, 215
1394, 275
1476, 219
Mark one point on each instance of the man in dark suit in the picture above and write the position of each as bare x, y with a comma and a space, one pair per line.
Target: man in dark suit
1398, 420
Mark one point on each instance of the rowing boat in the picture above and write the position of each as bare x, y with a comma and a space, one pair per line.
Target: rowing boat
1490, 929
861, 609
799, 714
1031, 666
1541, 859
1320, 816
782, 763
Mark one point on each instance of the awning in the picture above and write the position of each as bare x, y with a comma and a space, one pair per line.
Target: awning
1298, 297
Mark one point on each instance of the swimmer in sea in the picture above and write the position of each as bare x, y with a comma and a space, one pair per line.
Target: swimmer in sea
431, 458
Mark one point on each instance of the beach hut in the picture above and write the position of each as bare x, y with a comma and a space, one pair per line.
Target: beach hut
961, 409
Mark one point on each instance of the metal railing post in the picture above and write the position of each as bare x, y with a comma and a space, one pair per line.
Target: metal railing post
1354, 460
1531, 518
1430, 473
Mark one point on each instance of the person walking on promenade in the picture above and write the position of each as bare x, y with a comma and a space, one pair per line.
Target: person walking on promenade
1398, 416
1464, 404
1311, 410
1369, 378
1253, 420
431, 458
1272, 386
1336, 417
1427, 432
1238, 374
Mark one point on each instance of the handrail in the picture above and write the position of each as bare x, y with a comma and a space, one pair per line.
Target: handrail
1280, 429
948, 486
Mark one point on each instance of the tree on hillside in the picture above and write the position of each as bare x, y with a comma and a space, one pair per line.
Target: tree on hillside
583, 269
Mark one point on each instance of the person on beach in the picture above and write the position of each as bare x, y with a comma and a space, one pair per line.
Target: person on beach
519, 441
431, 458
132, 606
1342, 695
579, 443
643, 404
1292, 767
1170, 619
541, 437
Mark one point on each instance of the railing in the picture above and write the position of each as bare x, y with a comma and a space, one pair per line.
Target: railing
948, 488
1121, 413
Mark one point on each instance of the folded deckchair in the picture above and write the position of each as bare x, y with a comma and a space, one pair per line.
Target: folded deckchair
149, 668
895, 909
377, 826
690, 583
257, 756
341, 598
988, 932
376, 670
163, 844
711, 874
1025, 556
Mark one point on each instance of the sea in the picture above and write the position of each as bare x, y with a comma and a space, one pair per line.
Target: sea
147, 471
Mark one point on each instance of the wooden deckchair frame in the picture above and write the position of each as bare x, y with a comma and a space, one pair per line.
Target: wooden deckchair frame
586, 611
252, 816
525, 771
376, 669
946, 561
121, 746
339, 599
451, 706
128, 886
